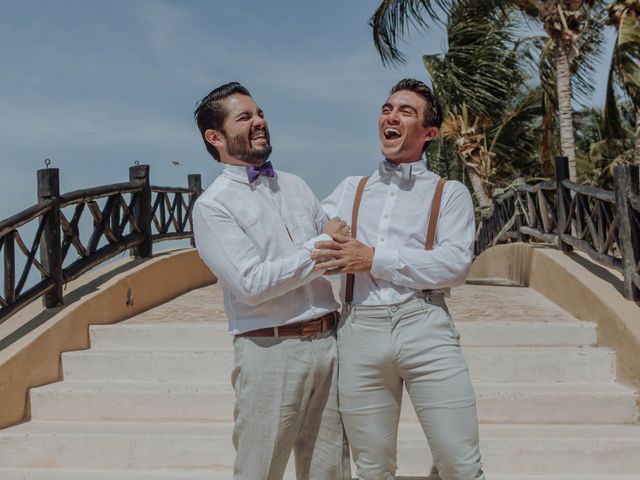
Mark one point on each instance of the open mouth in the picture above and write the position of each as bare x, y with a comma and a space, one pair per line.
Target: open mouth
258, 135
391, 133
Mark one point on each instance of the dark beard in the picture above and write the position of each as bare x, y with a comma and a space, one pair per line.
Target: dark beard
240, 148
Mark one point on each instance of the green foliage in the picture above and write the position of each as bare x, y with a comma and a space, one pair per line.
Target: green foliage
507, 83
484, 74
597, 151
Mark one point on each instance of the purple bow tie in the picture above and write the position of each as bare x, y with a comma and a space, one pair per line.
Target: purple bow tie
265, 169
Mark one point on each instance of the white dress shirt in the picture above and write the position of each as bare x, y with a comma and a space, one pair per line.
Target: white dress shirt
257, 239
393, 218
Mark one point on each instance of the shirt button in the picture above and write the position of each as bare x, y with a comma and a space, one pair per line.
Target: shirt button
394, 309
386, 216
392, 193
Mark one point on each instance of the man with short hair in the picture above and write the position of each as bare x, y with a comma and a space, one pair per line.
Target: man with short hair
255, 229
413, 240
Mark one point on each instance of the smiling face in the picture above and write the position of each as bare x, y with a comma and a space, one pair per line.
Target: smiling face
401, 127
244, 137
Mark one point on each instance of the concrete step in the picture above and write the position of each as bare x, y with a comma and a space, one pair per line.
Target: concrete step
63, 474
603, 403
525, 449
205, 336
491, 364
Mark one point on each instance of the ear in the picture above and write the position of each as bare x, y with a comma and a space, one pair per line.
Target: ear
214, 137
431, 133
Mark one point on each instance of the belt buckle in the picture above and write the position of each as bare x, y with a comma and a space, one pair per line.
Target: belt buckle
276, 332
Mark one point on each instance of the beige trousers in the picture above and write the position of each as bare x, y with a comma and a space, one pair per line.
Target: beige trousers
286, 400
416, 344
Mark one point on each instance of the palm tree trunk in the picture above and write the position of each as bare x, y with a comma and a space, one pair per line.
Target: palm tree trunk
636, 151
564, 106
478, 189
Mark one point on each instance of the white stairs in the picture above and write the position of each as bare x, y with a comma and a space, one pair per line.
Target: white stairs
152, 398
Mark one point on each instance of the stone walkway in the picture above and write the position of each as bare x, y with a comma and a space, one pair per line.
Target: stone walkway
467, 303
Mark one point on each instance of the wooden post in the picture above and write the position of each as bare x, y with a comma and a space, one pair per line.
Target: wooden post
627, 184
564, 201
50, 251
10, 267
520, 216
142, 211
195, 184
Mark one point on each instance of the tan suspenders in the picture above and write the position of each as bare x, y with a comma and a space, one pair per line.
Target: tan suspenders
431, 229
351, 278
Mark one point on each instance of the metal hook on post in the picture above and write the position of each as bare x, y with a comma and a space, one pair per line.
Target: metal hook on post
47, 162
136, 163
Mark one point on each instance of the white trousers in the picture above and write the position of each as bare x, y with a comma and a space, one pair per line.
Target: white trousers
416, 344
287, 400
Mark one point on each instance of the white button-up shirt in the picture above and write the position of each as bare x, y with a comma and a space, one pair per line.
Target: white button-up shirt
393, 218
257, 239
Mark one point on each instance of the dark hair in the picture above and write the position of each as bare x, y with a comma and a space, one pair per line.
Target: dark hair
432, 112
210, 114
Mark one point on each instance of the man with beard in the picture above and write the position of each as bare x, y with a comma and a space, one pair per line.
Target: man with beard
414, 241
255, 229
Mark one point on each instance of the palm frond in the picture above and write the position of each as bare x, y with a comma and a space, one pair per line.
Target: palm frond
627, 54
393, 18
612, 120
590, 45
483, 67
516, 139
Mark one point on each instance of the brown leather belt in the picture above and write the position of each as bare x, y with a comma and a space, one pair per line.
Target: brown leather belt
300, 329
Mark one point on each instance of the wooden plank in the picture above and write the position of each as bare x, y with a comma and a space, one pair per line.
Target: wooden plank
37, 291
564, 201
157, 189
9, 267
16, 221
104, 253
142, 210
31, 254
588, 190
94, 193
549, 186
586, 247
540, 235
627, 185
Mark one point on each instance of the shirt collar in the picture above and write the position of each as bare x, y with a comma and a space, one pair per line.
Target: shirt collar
405, 171
238, 173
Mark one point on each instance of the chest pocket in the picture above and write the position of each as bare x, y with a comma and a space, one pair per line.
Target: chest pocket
247, 218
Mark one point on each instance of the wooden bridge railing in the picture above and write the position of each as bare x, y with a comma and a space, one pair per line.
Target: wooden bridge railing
601, 223
133, 216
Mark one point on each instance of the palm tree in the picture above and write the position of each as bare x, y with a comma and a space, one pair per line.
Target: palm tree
624, 15
582, 69
563, 20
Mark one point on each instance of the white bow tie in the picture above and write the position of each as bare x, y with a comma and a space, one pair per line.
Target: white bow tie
403, 170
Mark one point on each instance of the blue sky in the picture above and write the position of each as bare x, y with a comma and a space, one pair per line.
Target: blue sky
96, 86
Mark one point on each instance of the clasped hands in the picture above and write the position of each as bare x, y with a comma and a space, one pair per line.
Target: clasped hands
342, 254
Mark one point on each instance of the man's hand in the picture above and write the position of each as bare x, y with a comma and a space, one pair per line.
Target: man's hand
343, 254
336, 226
